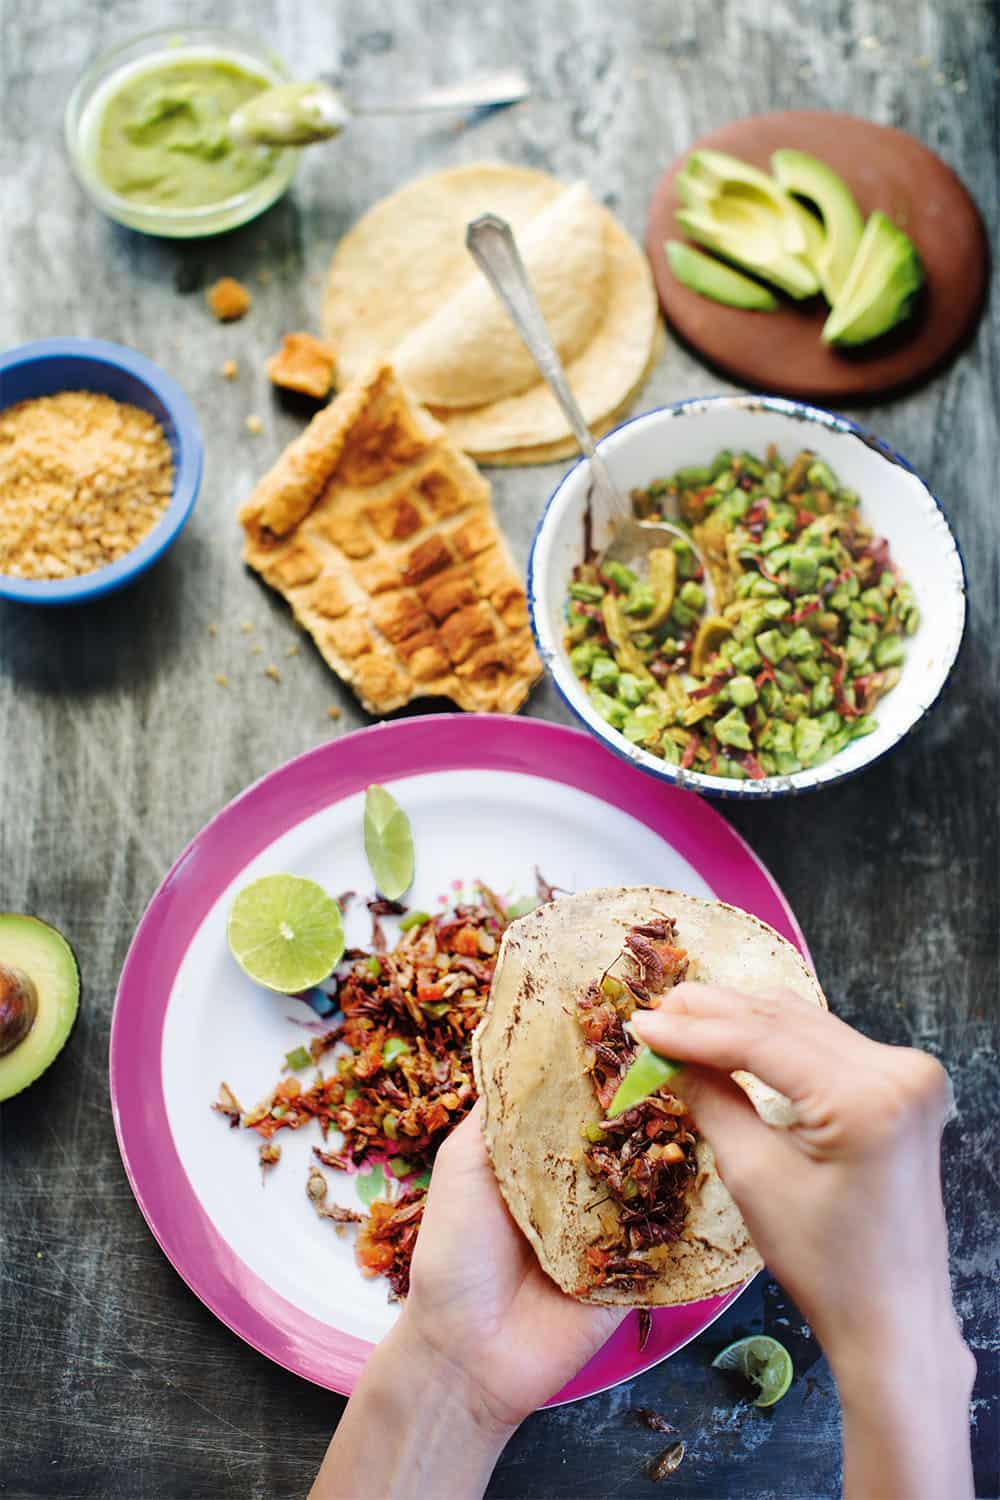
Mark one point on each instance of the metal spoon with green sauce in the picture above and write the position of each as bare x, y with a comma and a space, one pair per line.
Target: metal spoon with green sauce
299, 114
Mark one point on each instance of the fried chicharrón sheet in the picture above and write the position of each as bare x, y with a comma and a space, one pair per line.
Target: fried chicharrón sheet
380, 534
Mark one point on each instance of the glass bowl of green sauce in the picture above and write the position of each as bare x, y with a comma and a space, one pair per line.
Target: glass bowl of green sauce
146, 129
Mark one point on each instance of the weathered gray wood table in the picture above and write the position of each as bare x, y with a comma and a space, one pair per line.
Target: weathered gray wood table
116, 743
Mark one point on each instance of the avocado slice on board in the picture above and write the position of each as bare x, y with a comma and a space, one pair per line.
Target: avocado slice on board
748, 238
39, 999
710, 179
712, 279
884, 278
800, 173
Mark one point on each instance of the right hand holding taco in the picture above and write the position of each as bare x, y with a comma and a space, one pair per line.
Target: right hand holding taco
844, 1204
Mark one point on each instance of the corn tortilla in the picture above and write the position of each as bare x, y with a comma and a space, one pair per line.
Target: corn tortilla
402, 282
528, 1054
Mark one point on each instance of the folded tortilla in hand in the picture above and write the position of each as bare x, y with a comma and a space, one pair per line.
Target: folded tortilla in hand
629, 1211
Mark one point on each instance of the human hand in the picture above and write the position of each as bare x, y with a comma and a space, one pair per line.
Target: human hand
845, 1207
479, 1298
484, 1337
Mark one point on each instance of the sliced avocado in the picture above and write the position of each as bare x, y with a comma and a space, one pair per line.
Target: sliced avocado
842, 220
39, 998
814, 234
883, 280
709, 176
752, 243
712, 279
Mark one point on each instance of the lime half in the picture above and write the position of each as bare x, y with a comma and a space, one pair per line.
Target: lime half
388, 843
761, 1360
285, 932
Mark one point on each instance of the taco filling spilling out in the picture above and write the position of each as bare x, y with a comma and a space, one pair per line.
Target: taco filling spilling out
394, 1071
642, 1161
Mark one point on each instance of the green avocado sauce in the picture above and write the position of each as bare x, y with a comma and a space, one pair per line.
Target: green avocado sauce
163, 140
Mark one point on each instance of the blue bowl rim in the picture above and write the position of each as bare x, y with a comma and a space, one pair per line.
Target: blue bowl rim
187, 469
748, 791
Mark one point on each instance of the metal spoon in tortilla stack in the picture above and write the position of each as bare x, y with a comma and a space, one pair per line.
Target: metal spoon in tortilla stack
491, 243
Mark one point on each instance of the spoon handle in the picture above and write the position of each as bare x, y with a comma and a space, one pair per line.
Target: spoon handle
489, 91
491, 243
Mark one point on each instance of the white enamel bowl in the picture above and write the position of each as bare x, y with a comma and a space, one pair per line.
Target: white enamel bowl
894, 501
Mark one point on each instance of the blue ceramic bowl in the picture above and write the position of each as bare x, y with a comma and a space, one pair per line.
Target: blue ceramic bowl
48, 366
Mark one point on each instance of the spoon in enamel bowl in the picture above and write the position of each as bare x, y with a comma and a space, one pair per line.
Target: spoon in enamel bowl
491, 242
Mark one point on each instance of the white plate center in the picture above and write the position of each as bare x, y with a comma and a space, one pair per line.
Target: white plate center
491, 825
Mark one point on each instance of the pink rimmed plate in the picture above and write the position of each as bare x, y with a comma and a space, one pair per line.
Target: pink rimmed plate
488, 797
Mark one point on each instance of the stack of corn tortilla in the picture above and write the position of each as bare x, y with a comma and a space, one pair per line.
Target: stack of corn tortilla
402, 286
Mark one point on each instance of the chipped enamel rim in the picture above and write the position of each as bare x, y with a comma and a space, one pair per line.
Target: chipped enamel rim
949, 603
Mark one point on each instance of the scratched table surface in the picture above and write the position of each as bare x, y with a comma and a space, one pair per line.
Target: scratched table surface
117, 743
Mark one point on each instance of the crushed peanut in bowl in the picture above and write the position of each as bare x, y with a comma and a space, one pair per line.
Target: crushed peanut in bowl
83, 479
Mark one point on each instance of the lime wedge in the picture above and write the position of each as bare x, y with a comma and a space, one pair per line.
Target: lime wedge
388, 843
761, 1360
285, 932
647, 1072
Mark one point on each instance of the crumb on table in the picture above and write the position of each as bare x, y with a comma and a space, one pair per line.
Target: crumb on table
228, 299
230, 369
303, 364
254, 424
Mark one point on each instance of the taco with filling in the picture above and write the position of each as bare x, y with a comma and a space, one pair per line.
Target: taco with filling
629, 1210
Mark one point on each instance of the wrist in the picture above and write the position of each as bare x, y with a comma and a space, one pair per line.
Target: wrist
906, 1417
446, 1384
920, 1373
449, 1386
413, 1427
897, 1344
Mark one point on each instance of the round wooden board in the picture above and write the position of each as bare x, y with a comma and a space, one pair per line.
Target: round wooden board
781, 351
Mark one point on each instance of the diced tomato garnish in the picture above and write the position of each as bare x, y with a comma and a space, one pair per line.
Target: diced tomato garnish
752, 766
466, 942
711, 686
427, 992
757, 512
800, 614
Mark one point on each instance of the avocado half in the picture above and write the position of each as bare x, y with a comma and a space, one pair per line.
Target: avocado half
39, 999
806, 176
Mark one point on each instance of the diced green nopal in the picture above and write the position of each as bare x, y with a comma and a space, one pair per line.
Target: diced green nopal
883, 281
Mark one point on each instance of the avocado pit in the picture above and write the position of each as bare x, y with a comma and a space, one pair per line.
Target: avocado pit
18, 1007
